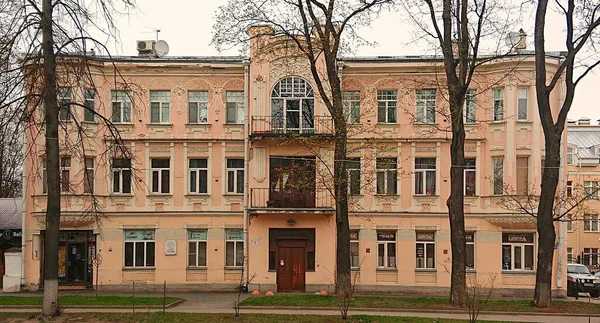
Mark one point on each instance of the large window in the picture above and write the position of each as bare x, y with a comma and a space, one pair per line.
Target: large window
387, 173
590, 189
65, 174
569, 188
198, 107
498, 105
354, 249
570, 255
353, 169
121, 106
570, 153
425, 106
197, 248
235, 107
569, 223
469, 108
235, 176
121, 170
522, 175
590, 223
470, 177
234, 248
139, 248
425, 250
88, 176
386, 249
89, 96
64, 98
387, 106
470, 238
590, 256
161, 175
293, 106
198, 171
160, 106
517, 252
522, 106
498, 184
351, 101
424, 176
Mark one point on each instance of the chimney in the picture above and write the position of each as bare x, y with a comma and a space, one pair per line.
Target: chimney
584, 121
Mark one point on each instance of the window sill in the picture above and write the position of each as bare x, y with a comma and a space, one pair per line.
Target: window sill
471, 124
471, 271
202, 268
498, 122
383, 269
192, 195
384, 195
162, 125
159, 195
524, 121
139, 268
355, 269
234, 194
123, 124
426, 124
588, 231
519, 272
199, 125
233, 268
234, 124
425, 270
425, 195
387, 124
121, 195
90, 123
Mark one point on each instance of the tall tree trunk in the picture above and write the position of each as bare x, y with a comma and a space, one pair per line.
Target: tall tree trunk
50, 304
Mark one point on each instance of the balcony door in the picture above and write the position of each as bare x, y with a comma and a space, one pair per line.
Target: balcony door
292, 182
292, 106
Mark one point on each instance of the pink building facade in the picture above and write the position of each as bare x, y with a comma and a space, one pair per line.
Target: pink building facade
228, 176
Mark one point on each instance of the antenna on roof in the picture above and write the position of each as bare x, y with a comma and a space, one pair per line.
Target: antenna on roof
154, 30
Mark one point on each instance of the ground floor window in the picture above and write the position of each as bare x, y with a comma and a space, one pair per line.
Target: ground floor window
517, 251
386, 249
590, 256
470, 262
425, 250
570, 255
197, 248
139, 248
234, 248
354, 251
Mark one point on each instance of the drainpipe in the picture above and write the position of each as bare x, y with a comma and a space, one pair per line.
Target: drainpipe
246, 168
23, 194
562, 226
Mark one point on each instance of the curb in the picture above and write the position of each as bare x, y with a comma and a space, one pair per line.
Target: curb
119, 307
409, 310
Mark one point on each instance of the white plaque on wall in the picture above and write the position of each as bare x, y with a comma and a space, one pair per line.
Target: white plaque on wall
170, 247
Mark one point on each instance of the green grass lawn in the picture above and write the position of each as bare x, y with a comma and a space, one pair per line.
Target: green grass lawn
217, 318
87, 300
417, 303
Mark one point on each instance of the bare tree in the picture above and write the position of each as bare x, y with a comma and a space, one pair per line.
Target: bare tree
319, 31
581, 19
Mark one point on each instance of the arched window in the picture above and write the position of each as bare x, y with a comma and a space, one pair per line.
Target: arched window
292, 106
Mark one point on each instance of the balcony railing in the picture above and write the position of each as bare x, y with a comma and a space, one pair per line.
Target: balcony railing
261, 198
281, 125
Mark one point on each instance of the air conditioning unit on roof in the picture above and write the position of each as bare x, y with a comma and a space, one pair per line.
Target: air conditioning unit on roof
145, 46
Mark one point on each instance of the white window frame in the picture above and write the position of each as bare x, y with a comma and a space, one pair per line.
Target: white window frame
590, 189
65, 97
197, 243
387, 100
570, 155
498, 175
389, 175
470, 107
89, 96
135, 242
522, 103
121, 181
162, 100
44, 176
569, 189
355, 241
159, 171
351, 169
569, 223
386, 243
470, 169
570, 259
425, 106
426, 255
351, 103
197, 171
123, 100
236, 245
235, 102
89, 172
498, 104
234, 170
424, 171
590, 256
200, 100
471, 243
65, 168
590, 223
523, 246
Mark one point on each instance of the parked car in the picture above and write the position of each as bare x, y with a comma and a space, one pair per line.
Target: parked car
579, 279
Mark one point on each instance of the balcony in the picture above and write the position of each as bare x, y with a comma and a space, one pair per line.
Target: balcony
266, 198
291, 125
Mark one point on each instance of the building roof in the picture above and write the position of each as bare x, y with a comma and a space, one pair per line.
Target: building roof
11, 213
584, 139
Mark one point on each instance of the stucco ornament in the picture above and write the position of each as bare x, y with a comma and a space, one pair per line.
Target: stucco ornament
286, 66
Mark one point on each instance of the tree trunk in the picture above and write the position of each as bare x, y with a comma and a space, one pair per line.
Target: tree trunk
50, 304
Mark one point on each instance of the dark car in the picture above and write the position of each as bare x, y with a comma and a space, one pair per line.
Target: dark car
580, 280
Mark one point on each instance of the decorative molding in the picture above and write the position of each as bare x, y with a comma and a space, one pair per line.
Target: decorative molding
470, 148
357, 227
523, 147
472, 228
160, 149
426, 227
387, 227
497, 148
234, 149
178, 90
197, 226
231, 226
197, 149
260, 164
139, 226
427, 149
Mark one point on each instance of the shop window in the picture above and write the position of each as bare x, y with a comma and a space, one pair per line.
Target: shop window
590, 256
234, 248
470, 262
354, 250
197, 248
425, 250
139, 248
386, 249
517, 252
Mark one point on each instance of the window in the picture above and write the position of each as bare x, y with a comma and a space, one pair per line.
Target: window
121, 169
522, 105
470, 177
235, 176
470, 238
570, 255
386, 106
425, 112
590, 256
64, 98
425, 176
590, 223
198, 107
197, 248
292, 106
161, 175
498, 163
234, 248
88, 179
354, 250
353, 169
386, 176
139, 248
351, 101
569, 188
44, 177
517, 251
570, 153
569, 223
160, 103
65, 174
591, 189
425, 250
386, 249
121, 106
198, 176
522, 175
498, 104
235, 107
88, 113
469, 107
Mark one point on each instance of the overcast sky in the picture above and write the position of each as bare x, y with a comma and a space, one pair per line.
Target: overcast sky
186, 25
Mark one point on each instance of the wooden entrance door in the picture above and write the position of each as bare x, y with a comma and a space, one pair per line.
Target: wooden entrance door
291, 266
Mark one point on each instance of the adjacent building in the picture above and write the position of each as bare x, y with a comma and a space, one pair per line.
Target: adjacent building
229, 175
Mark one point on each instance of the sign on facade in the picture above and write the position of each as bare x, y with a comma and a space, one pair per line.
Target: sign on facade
170, 247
